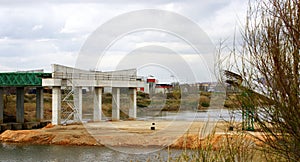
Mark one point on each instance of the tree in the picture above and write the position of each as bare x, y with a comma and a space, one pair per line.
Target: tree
269, 66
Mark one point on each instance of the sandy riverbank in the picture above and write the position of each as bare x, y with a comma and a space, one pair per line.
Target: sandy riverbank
178, 134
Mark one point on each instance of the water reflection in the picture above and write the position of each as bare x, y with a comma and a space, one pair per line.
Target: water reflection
211, 114
29, 153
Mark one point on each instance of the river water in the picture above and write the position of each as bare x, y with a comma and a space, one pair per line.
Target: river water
49, 153
30, 153
210, 114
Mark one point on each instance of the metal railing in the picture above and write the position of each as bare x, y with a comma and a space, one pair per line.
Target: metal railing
96, 76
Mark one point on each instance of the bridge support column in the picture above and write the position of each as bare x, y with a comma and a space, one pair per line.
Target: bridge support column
115, 103
78, 103
97, 104
56, 105
132, 108
39, 103
1, 105
20, 105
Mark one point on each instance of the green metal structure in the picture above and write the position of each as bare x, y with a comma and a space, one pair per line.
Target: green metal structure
22, 79
247, 111
247, 97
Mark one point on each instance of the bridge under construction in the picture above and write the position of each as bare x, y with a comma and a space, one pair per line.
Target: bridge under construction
71, 81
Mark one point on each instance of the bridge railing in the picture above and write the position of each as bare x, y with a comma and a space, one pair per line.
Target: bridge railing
96, 76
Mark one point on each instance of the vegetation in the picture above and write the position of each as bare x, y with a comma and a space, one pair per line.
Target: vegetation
228, 147
204, 100
268, 68
143, 99
232, 147
29, 107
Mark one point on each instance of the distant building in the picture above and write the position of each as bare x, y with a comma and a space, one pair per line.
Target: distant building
163, 88
151, 81
213, 87
149, 85
207, 86
152, 85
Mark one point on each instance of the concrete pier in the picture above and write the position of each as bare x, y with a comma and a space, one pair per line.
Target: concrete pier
56, 105
97, 113
132, 108
78, 103
5, 127
39, 103
1, 105
20, 105
115, 103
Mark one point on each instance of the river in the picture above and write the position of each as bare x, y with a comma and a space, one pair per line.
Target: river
29, 153
205, 115
55, 153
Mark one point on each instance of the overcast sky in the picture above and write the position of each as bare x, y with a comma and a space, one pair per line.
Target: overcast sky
34, 34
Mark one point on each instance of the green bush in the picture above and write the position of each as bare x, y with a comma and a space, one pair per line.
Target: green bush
205, 104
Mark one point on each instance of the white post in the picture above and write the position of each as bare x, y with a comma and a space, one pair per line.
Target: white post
132, 108
56, 105
78, 103
115, 103
97, 104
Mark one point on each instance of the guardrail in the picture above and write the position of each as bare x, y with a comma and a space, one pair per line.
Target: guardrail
96, 76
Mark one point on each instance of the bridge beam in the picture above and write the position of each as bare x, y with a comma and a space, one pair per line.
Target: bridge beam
56, 105
39, 103
20, 105
1, 105
115, 103
97, 113
132, 108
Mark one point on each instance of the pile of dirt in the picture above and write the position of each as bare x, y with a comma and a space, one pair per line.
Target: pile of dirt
57, 135
78, 135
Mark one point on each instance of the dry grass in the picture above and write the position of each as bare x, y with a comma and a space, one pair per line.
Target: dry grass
230, 146
29, 107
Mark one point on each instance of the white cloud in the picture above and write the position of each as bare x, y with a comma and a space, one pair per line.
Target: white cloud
44, 32
37, 27
226, 21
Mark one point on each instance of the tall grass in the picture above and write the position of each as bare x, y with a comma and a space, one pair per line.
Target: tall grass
229, 146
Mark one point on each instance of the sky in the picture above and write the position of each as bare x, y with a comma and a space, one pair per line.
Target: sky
35, 34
